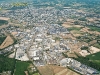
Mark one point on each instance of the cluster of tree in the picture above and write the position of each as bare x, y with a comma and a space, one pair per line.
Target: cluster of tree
2, 38
84, 48
6, 64
76, 22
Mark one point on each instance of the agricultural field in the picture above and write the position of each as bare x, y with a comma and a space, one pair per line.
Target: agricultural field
7, 42
55, 70
94, 28
36, 74
21, 67
94, 58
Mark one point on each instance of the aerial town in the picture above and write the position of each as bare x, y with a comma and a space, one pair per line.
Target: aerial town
48, 40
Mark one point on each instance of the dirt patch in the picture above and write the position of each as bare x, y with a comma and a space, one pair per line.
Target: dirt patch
8, 41
78, 26
91, 19
26, 72
68, 23
76, 33
94, 50
3, 26
85, 29
14, 34
71, 54
4, 18
84, 53
12, 55
81, 11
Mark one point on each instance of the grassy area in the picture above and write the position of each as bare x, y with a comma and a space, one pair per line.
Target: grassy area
21, 67
36, 74
74, 28
0, 8
57, 38
94, 28
95, 56
97, 45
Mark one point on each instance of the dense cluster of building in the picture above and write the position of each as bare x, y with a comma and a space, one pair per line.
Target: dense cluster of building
40, 46
31, 15
42, 42
78, 67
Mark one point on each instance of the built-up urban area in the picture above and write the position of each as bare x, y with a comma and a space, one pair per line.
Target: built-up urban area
37, 34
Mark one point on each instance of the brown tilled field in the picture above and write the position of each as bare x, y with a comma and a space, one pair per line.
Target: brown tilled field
86, 29
68, 36
76, 33
4, 18
45, 70
55, 70
8, 41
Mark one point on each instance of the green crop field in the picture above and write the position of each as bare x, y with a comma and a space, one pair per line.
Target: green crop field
21, 67
74, 28
95, 56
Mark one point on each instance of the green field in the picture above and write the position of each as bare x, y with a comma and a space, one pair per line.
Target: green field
74, 28
36, 74
97, 45
21, 67
94, 28
95, 56
95, 59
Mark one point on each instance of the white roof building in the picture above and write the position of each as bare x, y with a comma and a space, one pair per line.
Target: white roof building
65, 62
38, 40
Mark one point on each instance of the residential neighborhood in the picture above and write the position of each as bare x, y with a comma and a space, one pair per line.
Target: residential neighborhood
36, 36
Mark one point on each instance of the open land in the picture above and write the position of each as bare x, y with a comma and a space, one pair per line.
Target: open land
8, 41
55, 70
